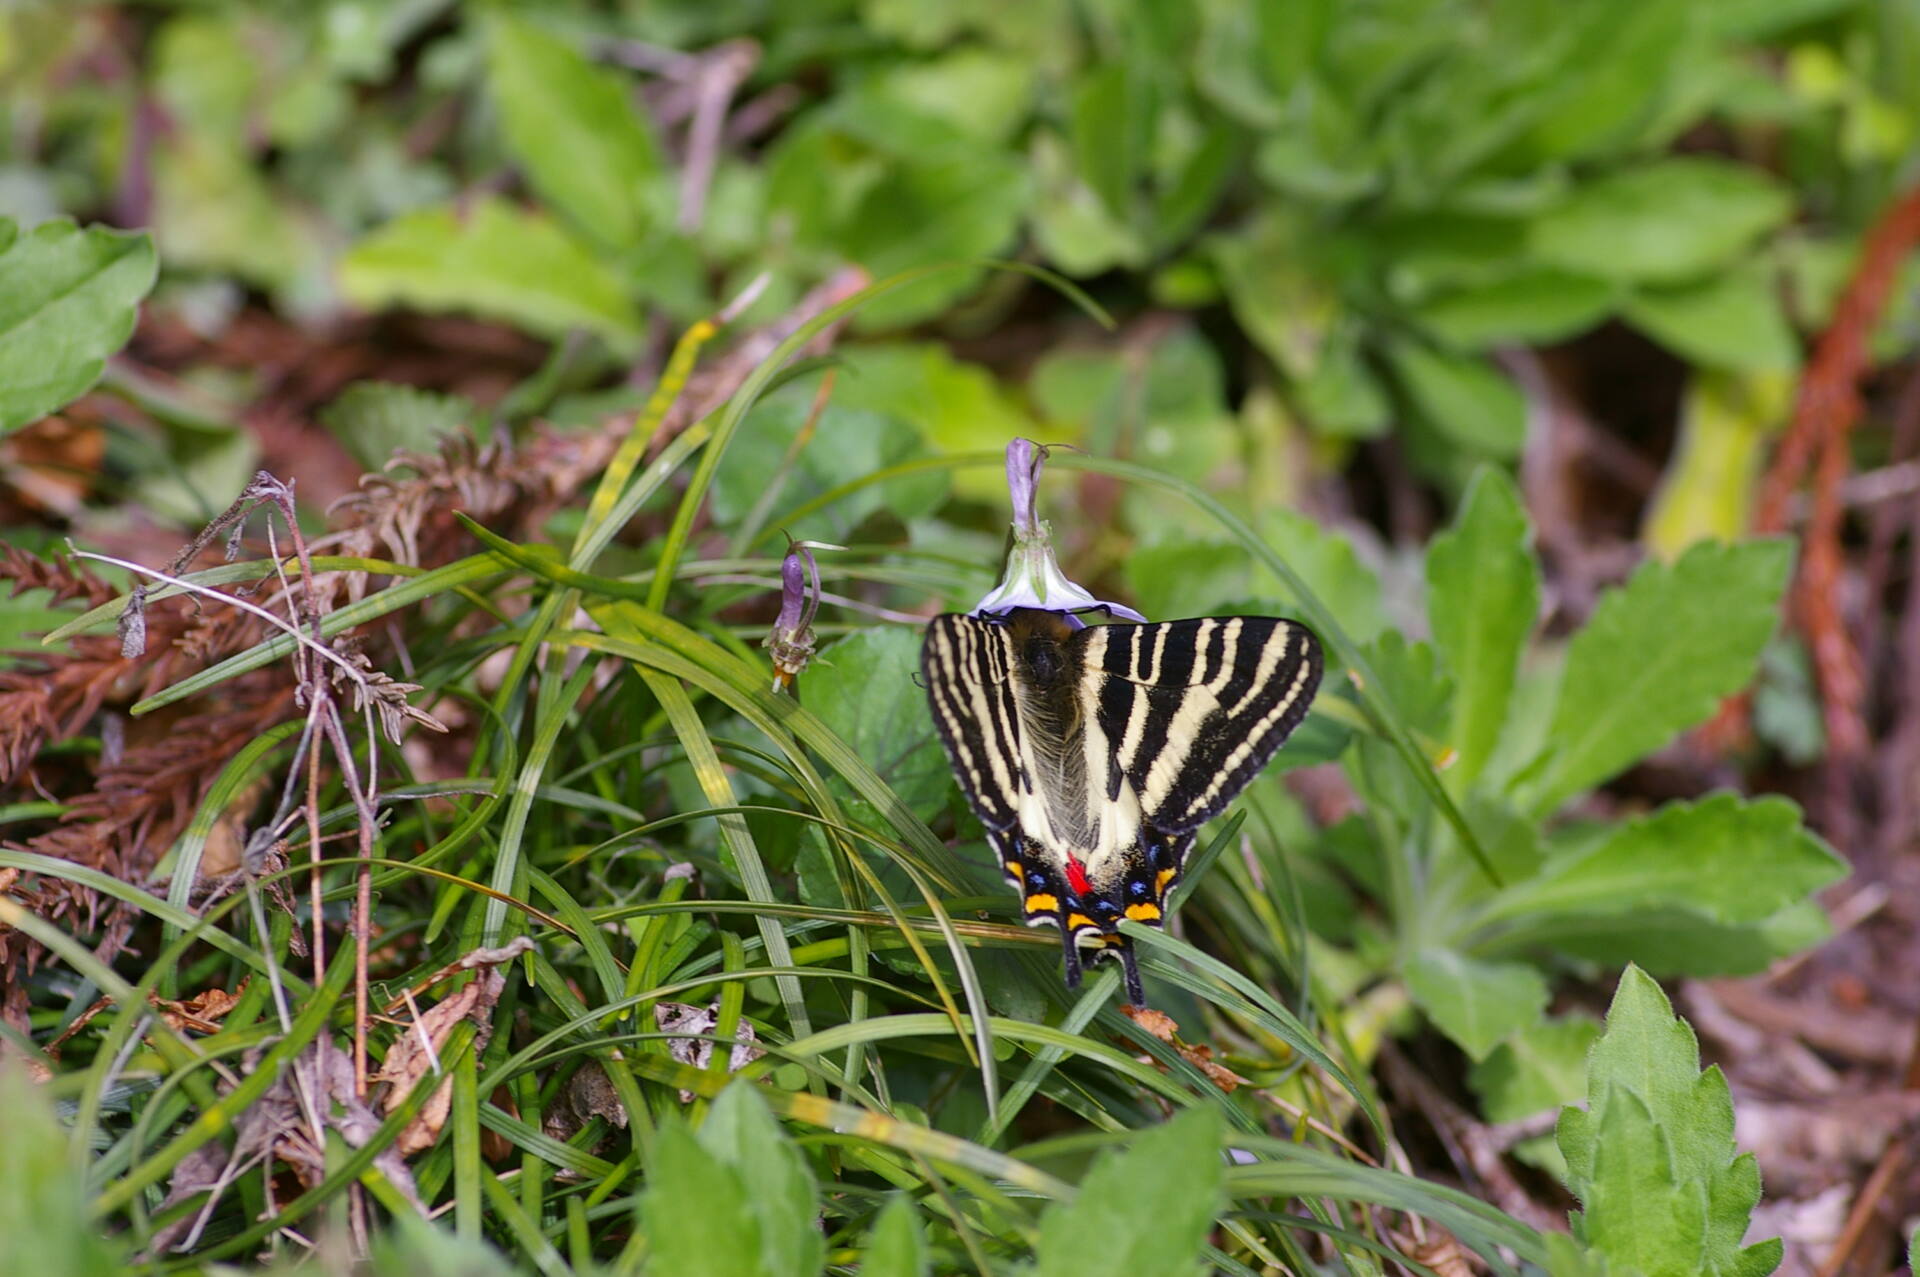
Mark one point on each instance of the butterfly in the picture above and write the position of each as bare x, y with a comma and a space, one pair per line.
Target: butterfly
1093, 755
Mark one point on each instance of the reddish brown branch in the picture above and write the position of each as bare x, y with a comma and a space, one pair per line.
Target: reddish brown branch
1825, 412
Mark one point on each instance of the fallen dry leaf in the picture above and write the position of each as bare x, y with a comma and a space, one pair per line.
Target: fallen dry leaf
1162, 1026
1158, 1023
682, 1017
418, 1049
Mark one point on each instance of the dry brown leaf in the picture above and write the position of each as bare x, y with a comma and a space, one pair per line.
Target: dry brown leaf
201, 1013
682, 1017
418, 1049
1158, 1023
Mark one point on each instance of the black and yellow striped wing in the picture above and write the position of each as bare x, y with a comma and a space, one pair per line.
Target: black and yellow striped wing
1093, 755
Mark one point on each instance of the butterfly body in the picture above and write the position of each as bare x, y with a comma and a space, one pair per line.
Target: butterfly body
1093, 755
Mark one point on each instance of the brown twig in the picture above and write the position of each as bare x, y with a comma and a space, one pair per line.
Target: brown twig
1825, 412
1892, 1161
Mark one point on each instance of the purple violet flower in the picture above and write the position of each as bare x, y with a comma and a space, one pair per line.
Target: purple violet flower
790, 643
1033, 579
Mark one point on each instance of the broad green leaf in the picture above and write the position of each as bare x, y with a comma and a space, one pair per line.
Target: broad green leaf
68, 299
1329, 566
958, 405
1733, 320
1147, 1209
1465, 397
375, 419
1535, 306
876, 180
742, 1132
1279, 296
1112, 119
44, 1219
574, 130
864, 688
1652, 1159
1656, 657
1477, 1004
896, 1246
1671, 220
699, 1214
1542, 1066
1483, 596
1733, 861
494, 260
1681, 942
845, 444
1708, 487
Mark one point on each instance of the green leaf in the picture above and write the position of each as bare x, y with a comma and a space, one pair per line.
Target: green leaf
1327, 563
1680, 942
1733, 320
1483, 596
742, 1132
1540, 304
43, 1202
375, 419
1475, 1003
1111, 127
698, 1212
1469, 401
959, 406
68, 299
895, 1247
864, 688
1668, 221
573, 129
1656, 657
1147, 1209
494, 260
1541, 1067
1712, 476
1732, 861
1652, 1158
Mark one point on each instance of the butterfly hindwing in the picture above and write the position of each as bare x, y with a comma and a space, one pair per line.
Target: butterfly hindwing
1092, 756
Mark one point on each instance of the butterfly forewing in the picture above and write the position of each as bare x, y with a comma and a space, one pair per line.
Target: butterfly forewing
968, 667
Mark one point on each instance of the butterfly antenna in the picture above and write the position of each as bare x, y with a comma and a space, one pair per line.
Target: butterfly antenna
1073, 958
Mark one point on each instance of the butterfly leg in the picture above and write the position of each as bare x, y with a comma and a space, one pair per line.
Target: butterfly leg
1128, 959
1073, 957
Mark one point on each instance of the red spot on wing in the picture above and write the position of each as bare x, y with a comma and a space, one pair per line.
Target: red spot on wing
1077, 877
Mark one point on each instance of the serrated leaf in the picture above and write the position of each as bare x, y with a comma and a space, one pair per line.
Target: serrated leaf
742, 1132
1656, 657
1672, 220
1734, 320
1732, 861
1483, 596
1652, 1159
573, 129
68, 299
698, 1215
1535, 306
1464, 397
375, 419
895, 1247
494, 260
1475, 1003
1541, 1067
864, 688
1148, 1208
